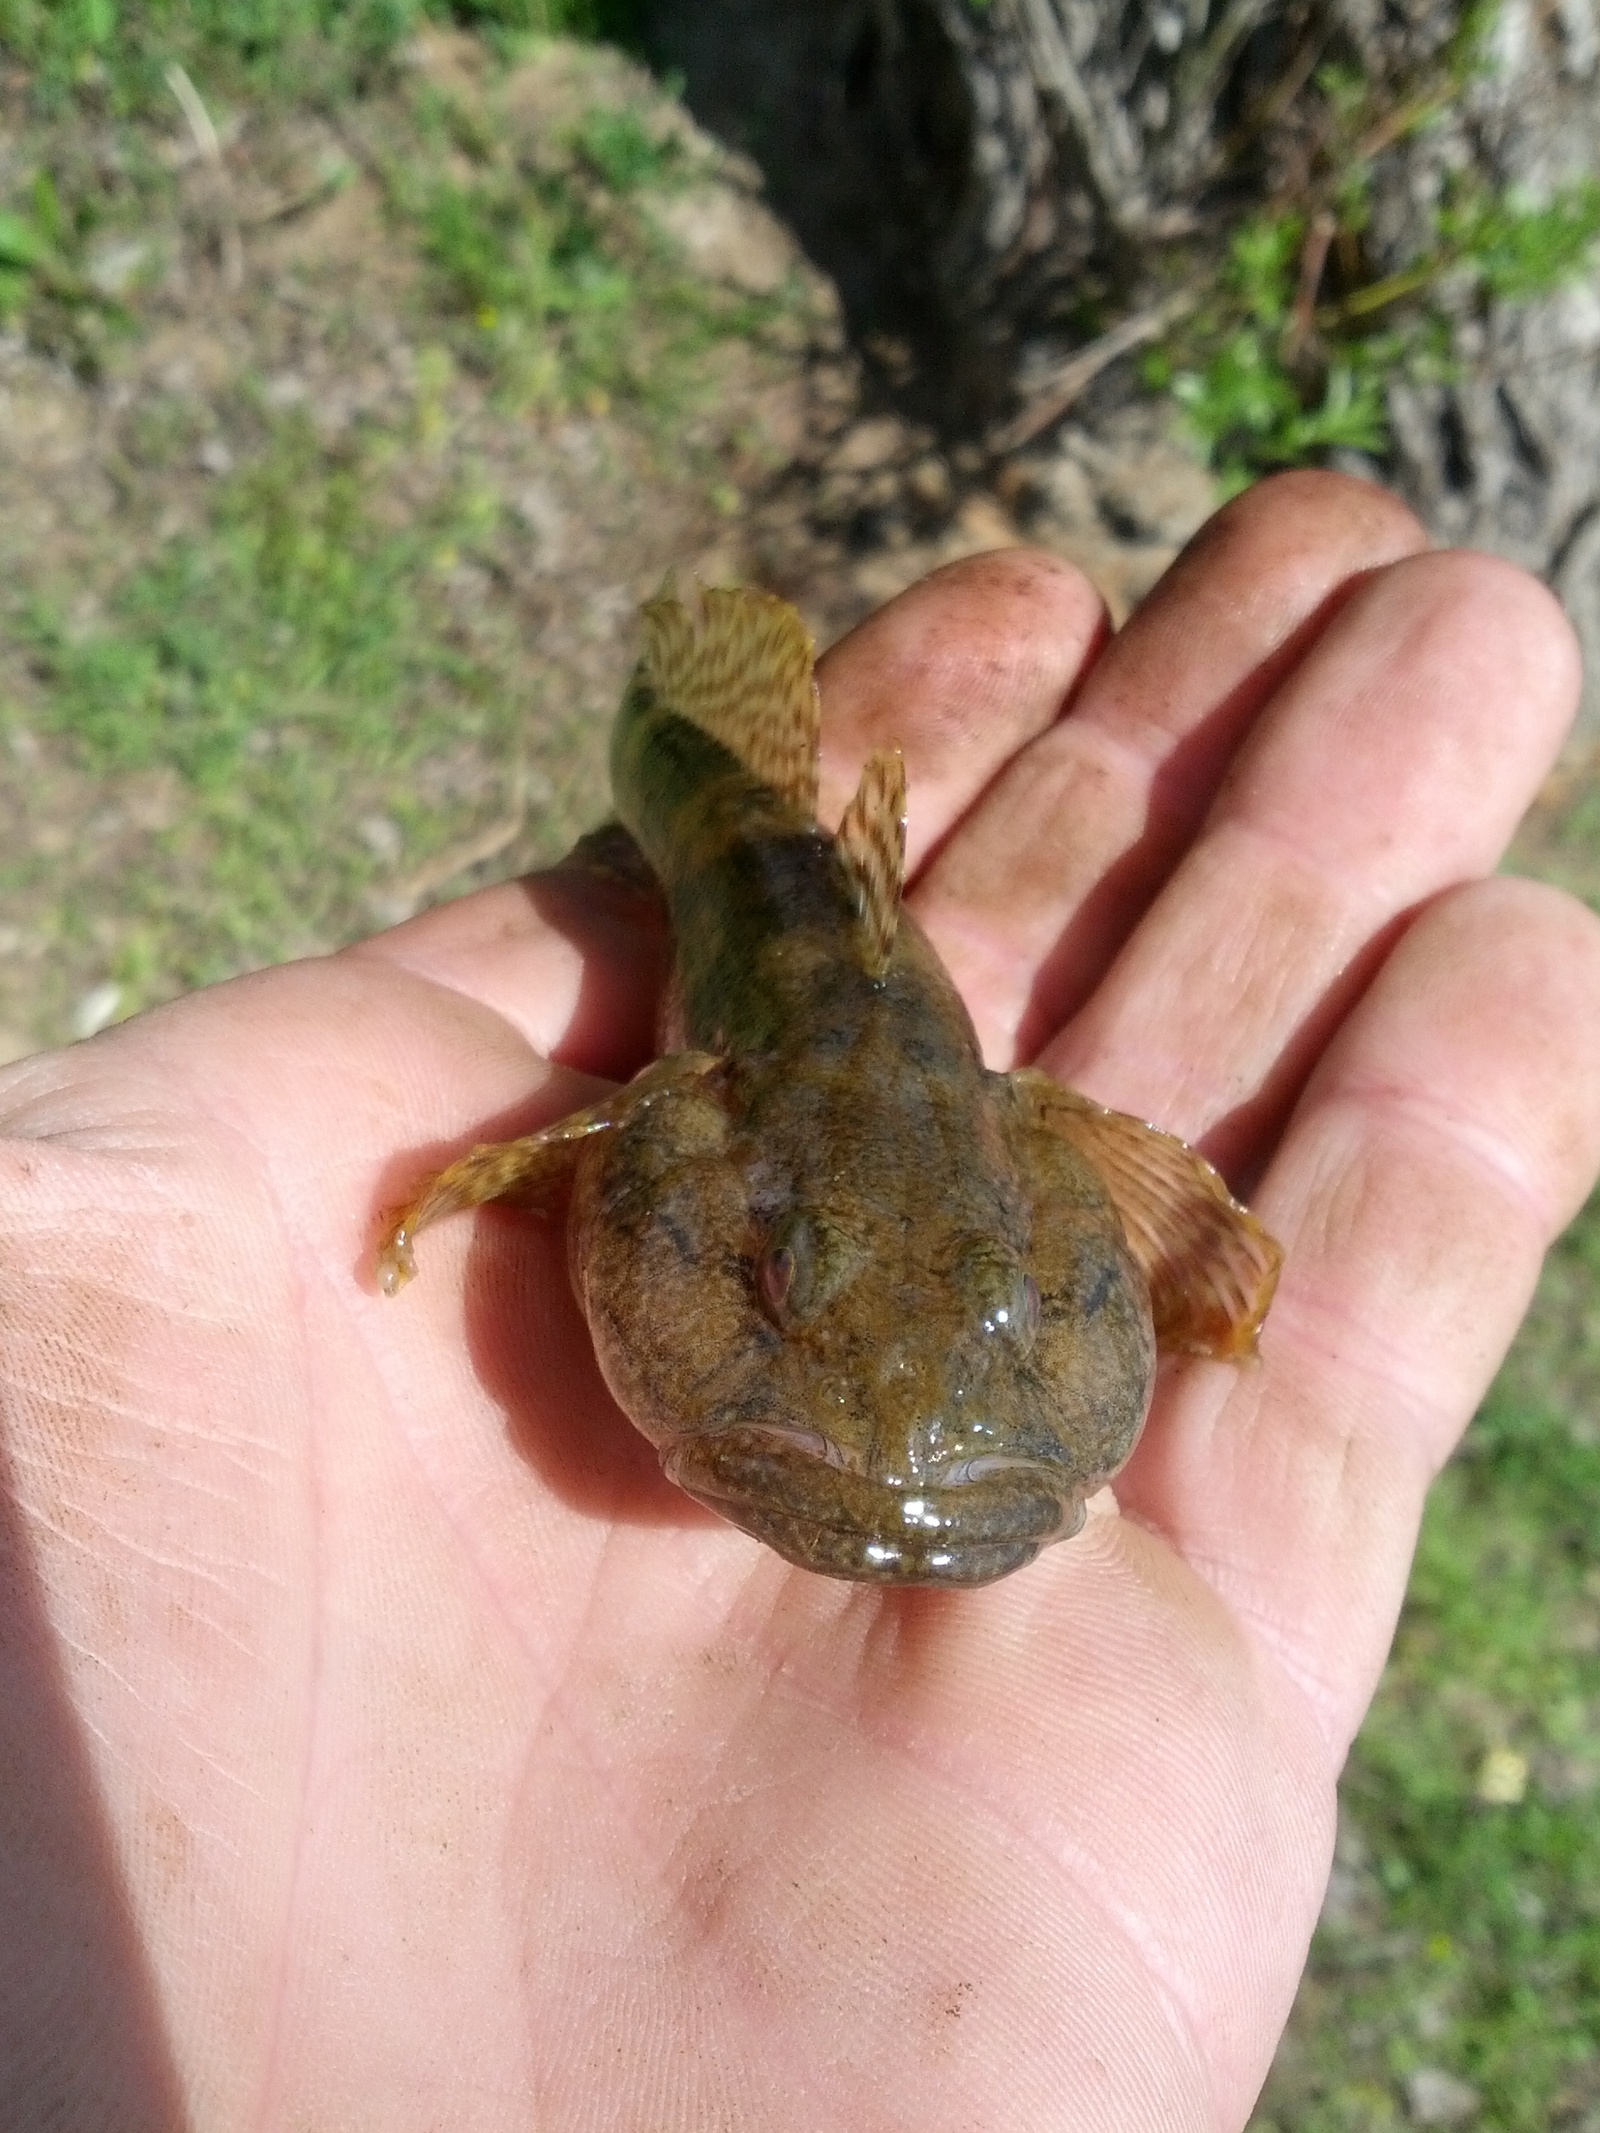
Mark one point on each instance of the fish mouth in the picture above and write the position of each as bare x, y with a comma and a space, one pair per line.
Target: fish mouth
782, 1486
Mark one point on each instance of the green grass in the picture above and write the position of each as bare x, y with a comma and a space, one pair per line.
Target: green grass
111, 62
557, 285
294, 667
1503, 1900
116, 51
1262, 385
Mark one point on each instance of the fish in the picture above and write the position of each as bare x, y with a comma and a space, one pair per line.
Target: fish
893, 1313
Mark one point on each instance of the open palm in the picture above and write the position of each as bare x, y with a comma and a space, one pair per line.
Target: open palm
384, 1744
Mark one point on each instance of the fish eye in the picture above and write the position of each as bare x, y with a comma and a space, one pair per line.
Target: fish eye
1003, 1294
774, 1279
804, 1263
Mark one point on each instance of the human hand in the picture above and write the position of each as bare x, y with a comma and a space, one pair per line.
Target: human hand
384, 1743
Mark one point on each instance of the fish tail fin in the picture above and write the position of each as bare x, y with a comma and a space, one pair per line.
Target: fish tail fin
737, 664
871, 850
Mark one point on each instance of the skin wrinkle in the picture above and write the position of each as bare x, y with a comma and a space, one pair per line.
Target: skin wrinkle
809, 1700
228, 1447
115, 1544
364, 1334
970, 909
220, 1769
1240, 793
1057, 1853
1290, 559
1354, 878
1079, 1870
1493, 1153
558, 1694
909, 1747
98, 1662
542, 1038
1442, 615
364, 1331
1293, 1326
1326, 1709
1086, 743
113, 1457
1084, 1052
1103, 717
1323, 959
598, 1767
1399, 1154
141, 1553
275, 2042
144, 1554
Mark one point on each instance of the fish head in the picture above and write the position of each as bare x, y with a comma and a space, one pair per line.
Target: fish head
933, 1412
924, 1403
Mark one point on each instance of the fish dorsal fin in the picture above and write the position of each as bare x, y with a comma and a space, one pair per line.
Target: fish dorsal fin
737, 664
871, 848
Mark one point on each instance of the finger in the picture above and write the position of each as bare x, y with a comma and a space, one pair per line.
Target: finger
571, 958
1450, 1132
1073, 838
959, 671
1395, 760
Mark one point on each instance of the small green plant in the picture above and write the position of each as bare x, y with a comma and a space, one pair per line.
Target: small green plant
623, 152
42, 280
23, 254
1248, 402
544, 304
1289, 354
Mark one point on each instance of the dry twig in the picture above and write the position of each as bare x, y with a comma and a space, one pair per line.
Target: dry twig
205, 139
1085, 364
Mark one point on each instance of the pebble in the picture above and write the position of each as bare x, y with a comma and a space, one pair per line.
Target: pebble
382, 836
1435, 2098
1502, 1778
97, 1009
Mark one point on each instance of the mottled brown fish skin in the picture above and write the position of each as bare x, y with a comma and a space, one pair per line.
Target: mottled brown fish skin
908, 1411
893, 1314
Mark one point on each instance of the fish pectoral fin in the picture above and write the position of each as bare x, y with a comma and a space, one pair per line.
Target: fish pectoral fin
737, 664
1211, 1266
871, 850
525, 1172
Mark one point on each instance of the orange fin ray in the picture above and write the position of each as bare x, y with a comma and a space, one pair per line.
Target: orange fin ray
526, 1172
1211, 1266
871, 850
737, 663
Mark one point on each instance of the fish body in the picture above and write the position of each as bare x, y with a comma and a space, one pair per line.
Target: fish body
892, 1313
